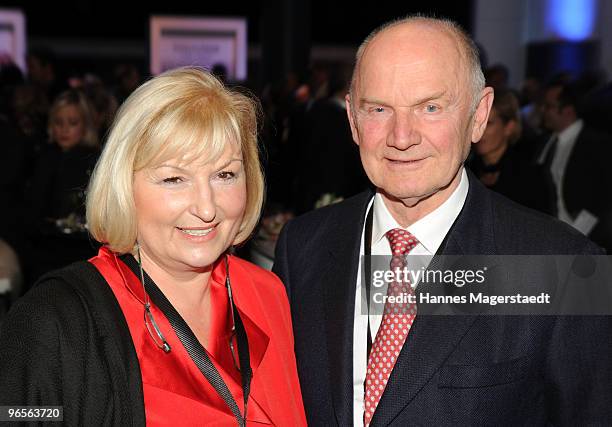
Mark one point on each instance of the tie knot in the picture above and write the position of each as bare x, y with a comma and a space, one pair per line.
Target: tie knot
401, 241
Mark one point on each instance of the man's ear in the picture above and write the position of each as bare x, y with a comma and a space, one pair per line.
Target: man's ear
351, 118
481, 115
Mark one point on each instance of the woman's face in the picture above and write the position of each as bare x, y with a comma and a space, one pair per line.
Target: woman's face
67, 127
188, 214
496, 135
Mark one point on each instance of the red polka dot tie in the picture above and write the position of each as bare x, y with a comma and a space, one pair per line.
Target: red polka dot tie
394, 327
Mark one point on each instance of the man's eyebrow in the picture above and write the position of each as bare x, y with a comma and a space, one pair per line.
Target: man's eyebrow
432, 97
420, 101
363, 101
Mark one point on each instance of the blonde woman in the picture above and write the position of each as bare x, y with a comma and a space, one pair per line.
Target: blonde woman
55, 197
164, 326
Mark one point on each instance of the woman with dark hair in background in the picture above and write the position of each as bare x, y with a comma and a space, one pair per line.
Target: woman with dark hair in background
497, 159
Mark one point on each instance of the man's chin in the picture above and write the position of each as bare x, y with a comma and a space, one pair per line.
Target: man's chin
408, 198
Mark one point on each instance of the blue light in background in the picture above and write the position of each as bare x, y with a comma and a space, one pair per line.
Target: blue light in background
571, 19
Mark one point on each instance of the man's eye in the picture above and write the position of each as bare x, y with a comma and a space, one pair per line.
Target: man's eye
430, 108
172, 180
378, 109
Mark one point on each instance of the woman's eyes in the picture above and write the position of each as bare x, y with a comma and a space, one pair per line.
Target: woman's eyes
172, 180
226, 175
222, 176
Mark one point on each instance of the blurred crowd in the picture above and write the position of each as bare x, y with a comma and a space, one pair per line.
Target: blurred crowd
52, 128
545, 147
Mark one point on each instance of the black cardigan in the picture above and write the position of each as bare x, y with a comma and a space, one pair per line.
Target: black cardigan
66, 343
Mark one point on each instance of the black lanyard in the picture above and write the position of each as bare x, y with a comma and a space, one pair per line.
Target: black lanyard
197, 352
367, 264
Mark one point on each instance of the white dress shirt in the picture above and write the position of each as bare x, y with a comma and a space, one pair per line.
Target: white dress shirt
430, 231
565, 145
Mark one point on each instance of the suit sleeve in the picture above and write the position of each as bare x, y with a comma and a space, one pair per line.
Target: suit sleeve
580, 371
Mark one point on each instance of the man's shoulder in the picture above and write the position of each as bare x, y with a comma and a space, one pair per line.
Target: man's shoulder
593, 134
350, 210
335, 226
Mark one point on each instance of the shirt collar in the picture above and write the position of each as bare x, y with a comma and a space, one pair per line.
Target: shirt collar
570, 133
429, 230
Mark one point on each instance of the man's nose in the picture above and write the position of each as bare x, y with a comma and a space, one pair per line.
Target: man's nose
405, 130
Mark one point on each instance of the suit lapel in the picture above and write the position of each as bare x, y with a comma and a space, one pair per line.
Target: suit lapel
339, 281
433, 338
576, 170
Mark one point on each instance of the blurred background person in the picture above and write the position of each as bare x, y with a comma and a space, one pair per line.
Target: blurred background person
327, 161
43, 72
499, 159
104, 105
497, 76
55, 197
575, 160
127, 78
10, 277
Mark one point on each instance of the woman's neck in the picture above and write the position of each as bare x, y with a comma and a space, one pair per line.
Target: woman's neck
186, 290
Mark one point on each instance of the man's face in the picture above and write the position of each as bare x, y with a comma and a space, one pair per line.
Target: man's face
412, 115
553, 117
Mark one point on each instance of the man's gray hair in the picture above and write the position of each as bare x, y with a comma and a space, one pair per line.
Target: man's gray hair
467, 47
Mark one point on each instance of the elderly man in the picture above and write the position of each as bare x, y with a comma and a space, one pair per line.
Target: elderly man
416, 104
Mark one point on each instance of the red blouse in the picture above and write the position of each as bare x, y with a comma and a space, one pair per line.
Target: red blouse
175, 391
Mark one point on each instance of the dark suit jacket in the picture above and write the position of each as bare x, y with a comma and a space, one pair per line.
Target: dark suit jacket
588, 181
461, 370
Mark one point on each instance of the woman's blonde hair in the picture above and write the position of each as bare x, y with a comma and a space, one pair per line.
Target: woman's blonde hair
80, 101
183, 113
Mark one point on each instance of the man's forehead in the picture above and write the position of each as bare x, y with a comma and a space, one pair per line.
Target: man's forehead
412, 61
414, 36
409, 78
408, 50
